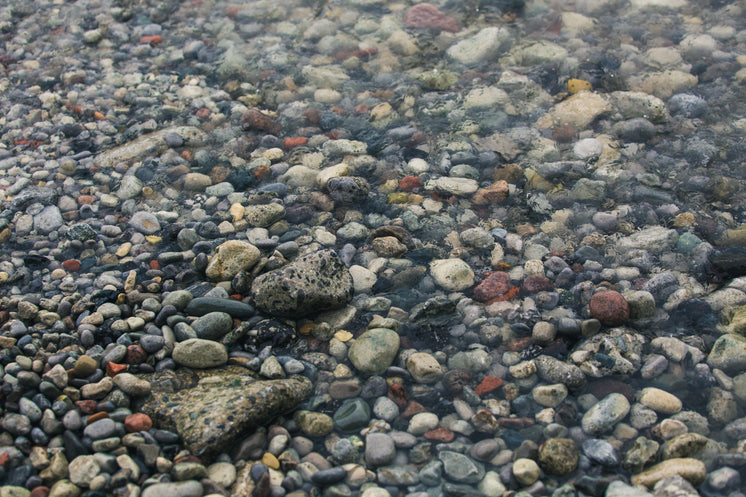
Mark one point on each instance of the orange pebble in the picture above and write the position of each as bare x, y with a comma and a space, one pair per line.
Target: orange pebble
295, 141
154, 264
96, 416
113, 369
488, 384
153, 40
443, 435
99, 116
137, 422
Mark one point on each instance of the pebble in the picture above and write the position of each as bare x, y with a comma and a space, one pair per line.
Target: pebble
606, 413
199, 353
692, 470
374, 351
660, 400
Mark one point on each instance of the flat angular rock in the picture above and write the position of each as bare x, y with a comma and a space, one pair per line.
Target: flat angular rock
228, 402
310, 284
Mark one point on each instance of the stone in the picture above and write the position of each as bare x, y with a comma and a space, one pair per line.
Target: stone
204, 305
379, 449
264, 215
199, 353
609, 307
453, 275
549, 395
606, 413
352, 415
132, 385
559, 456
487, 44
424, 368
728, 353
213, 325
460, 468
145, 222
189, 488
214, 397
314, 424
526, 471
231, 257
82, 470
348, 189
660, 400
310, 284
374, 351
578, 111
692, 470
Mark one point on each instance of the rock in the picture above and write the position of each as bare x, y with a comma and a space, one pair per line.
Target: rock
374, 351
526, 471
578, 111
145, 222
204, 305
132, 385
549, 395
487, 44
379, 449
660, 400
606, 413
559, 456
139, 147
215, 396
684, 445
199, 353
692, 470
314, 424
643, 453
48, 220
310, 284
553, 370
601, 452
264, 215
609, 307
493, 286
231, 257
213, 325
425, 15
189, 488
424, 368
352, 415
618, 488
728, 353
461, 187
452, 274
348, 189
460, 468
82, 470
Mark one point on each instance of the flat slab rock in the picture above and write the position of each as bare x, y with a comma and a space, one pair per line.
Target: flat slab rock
212, 409
310, 284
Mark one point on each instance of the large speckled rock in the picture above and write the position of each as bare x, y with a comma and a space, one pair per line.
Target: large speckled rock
228, 402
311, 284
230, 258
559, 456
199, 353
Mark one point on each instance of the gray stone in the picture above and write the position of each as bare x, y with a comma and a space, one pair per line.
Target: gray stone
379, 449
189, 488
103, 428
553, 370
606, 413
198, 353
460, 468
374, 351
146, 145
213, 325
48, 220
82, 470
728, 353
215, 397
311, 284
485, 45
264, 215
145, 222
204, 305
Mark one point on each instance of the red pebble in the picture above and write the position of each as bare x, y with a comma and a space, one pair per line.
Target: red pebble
609, 307
137, 422
154, 264
40, 491
86, 406
410, 183
494, 285
4, 459
443, 435
487, 385
425, 15
86, 199
71, 265
537, 283
295, 141
113, 369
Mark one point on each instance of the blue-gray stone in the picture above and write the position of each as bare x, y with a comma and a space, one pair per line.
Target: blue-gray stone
204, 305
352, 415
103, 428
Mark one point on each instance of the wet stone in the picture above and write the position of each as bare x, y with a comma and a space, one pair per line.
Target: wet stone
461, 468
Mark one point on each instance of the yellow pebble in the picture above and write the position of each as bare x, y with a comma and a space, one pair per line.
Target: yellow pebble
343, 335
4, 276
576, 85
398, 198
270, 461
123, 249
154, 239
237, 211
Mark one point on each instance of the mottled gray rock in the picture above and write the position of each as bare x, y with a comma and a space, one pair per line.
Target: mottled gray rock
311, 284
215, 397
606, 413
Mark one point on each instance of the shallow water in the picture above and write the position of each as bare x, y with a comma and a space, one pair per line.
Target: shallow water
571, 147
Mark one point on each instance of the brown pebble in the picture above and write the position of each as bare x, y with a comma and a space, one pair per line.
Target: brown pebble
137, 422
609, 307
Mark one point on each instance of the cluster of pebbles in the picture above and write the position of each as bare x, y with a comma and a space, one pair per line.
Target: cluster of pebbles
366, 248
